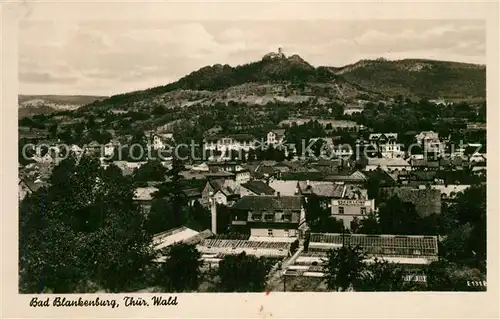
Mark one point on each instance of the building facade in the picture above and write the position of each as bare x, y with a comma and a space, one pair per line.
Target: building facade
276, 137
430, 142
227, 143
386, 144
269, 216
347, 210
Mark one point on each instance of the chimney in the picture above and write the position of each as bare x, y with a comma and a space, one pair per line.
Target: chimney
213, 211
278, 194
308, 183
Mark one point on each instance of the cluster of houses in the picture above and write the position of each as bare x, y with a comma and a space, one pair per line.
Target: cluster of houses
267, 198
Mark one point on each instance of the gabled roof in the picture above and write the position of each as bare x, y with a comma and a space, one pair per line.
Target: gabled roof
324, 189
387, 162
192, 192
379, 136
226, 163
220, 174
263, 169
236, 137
269, 203
427, 134
226, 187
285, 188
144, 193
32, 186
380, 175
357, 176
259, 188
279, 132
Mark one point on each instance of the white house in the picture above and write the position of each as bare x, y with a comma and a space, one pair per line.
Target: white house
227, 143
276, 137
386, 144
430, 142
159, 141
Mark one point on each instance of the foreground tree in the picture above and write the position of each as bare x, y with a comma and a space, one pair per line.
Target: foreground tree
382, 276
343, 267
242, 273
447, 276
397, 217
181, 270
84, 228
161, 217
151, 171
172, 190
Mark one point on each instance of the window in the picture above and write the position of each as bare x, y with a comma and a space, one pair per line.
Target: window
286, 217
287, 234
269, 217
270, 232
256, 216
363, 210
341, 210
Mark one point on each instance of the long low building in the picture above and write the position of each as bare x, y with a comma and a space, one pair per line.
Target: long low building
234, 247
412, 252
404, 247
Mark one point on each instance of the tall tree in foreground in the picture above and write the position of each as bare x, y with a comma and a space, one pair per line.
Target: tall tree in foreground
343, 267
84, 228
447, 276
382, 276
172, 190
182, 268
242, 273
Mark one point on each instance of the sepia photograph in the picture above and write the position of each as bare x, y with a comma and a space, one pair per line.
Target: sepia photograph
216, 156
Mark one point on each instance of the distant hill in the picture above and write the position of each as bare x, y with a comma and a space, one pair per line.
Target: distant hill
277, 77
418, 78
274, 77
43, 104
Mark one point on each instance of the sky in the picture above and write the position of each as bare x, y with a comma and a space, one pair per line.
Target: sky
112, 57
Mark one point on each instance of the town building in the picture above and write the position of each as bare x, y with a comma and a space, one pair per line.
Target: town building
223, 191
430, 142
386, 144
226, 166
269, 216
26, 187
356, 177
353, 109
387, 164
214, 249
413, 253
227, 143
450, 192
144, 197
276, 137
346, 201
256, 188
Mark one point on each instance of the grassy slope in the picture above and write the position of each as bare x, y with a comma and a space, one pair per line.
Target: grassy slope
434, 79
